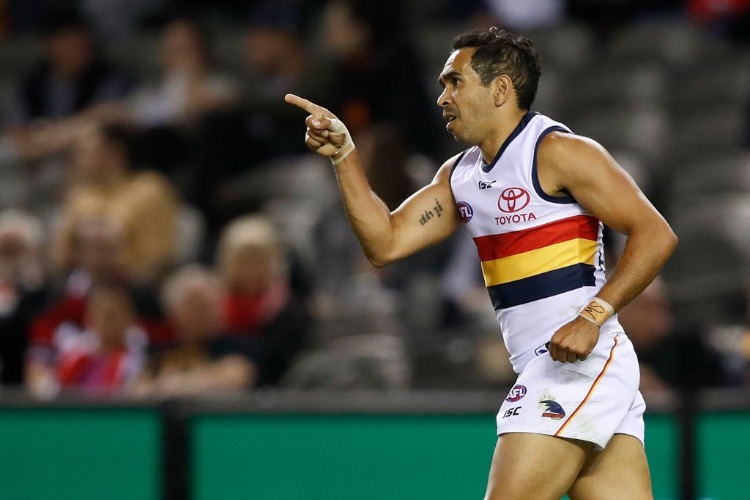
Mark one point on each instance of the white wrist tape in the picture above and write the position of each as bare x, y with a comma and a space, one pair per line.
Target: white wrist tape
597, 311
338, 128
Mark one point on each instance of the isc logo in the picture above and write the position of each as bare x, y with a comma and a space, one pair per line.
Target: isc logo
516, 393
512, 412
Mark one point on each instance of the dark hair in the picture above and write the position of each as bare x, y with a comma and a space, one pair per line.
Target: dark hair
499, 52
120, 136
61, 20
384, 18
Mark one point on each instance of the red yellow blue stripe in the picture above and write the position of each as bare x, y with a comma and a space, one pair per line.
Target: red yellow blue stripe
523, 266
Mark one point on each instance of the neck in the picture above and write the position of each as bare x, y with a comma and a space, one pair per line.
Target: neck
505, 125
113, 177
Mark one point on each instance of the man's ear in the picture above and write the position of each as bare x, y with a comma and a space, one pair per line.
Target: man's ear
502, 90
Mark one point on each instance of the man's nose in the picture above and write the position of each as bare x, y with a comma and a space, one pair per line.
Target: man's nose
444, 98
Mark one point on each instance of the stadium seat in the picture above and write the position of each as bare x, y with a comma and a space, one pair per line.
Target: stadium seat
18, 53
567, 47
671, 41
713, 173
140, 54
723, 80
710, 269
707, 127
606, 84
191, 233
642, 128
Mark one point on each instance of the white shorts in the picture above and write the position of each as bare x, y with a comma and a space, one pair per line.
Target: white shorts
589, 400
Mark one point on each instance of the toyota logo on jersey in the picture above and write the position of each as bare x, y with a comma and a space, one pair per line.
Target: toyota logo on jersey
513, 199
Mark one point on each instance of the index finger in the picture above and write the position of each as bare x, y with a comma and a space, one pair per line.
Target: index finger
304, 104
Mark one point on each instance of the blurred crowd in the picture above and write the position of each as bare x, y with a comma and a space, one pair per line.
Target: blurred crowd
164, 232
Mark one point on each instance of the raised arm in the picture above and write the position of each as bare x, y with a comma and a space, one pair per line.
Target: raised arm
582, 168
425, 218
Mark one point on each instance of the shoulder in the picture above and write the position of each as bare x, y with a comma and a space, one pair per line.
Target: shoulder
564, 143
565, 151
447, 168
152, 184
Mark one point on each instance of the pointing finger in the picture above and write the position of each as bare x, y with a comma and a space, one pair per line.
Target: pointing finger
304, 104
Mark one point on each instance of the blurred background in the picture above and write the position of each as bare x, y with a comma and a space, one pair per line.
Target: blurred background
180, 291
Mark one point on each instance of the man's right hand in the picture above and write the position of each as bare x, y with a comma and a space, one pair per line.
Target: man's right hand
326, 134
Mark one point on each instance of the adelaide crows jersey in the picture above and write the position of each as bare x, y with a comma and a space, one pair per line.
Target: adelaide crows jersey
542, 256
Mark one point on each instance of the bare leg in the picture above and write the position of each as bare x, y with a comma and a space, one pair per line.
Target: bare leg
619, 471
536, 466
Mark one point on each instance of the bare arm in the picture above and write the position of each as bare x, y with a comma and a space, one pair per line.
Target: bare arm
230, 373
425, 218
582, 168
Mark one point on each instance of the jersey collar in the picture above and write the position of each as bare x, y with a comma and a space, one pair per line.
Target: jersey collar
516, 132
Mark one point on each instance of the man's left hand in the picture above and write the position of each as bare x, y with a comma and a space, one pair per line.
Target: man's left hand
574, 341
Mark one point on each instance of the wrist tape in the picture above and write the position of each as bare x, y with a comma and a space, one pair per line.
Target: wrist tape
338, 128
597, 311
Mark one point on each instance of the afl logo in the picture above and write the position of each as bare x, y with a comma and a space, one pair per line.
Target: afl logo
465, 210
515, 394
513, 199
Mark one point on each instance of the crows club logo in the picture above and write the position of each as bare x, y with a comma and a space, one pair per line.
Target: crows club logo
516, 393
465, 210
554, 410
513, 199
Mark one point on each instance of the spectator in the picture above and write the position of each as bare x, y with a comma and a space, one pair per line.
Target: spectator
23, 288
189, 88
261, 128
203, 358
119, 19
104, 184
46, 115
670, 359
377, 75
523, 16
274, 50
717, 14
386, 159
98, 248
70, 77
260, 303
605, 17
176, 115
107, 356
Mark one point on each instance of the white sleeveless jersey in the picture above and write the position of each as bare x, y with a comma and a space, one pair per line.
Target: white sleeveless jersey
542, 256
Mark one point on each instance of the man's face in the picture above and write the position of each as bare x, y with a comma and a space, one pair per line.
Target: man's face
197, 314
465, 101
100, 249
110, 313
70, 52
90, 154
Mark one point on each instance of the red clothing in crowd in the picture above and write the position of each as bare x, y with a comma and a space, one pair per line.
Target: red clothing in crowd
250, 313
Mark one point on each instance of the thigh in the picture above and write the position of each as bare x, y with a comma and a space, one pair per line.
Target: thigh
534, 466
620, 467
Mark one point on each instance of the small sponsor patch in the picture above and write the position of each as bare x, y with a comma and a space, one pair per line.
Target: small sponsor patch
542, 349
515, 394
512, 412
465, 210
